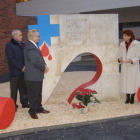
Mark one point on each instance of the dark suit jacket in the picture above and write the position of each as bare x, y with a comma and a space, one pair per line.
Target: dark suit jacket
34, 63
15, 57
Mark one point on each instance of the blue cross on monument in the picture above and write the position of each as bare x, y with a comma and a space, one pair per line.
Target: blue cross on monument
46, 30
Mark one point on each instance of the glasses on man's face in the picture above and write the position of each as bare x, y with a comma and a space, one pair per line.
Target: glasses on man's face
37, 36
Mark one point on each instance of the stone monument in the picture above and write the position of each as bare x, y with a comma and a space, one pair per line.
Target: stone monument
63, 37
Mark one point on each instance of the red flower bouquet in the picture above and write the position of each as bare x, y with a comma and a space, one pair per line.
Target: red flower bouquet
85, 95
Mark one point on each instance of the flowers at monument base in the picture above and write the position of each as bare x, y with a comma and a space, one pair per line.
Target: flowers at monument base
85, 97
78, 105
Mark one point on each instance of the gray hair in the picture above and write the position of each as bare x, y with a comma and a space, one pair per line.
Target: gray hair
15, 32
31, 33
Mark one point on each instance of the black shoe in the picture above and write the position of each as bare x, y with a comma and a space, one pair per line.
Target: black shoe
16, 107
34, 116
132, 99
44, 111
127, 98
26, 106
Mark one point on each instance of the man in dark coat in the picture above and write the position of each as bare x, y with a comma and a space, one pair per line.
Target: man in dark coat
34, 73
15, 57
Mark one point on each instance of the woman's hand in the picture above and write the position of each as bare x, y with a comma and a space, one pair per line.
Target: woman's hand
120, 60
129, 61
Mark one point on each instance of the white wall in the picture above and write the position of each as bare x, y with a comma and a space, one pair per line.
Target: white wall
56, 7
129, 14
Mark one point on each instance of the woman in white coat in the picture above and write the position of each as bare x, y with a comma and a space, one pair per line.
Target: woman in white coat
128, 57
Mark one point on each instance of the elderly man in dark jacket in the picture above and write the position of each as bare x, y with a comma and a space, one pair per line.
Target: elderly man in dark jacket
15, 57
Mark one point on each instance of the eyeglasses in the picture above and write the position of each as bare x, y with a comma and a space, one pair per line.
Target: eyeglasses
37, 36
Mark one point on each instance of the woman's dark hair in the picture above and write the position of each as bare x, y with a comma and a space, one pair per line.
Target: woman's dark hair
129, 33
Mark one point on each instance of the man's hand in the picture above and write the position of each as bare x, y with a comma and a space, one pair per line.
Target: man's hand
23, 69
46, 69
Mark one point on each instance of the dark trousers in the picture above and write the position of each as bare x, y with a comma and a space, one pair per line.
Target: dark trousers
35, 96
18, 83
